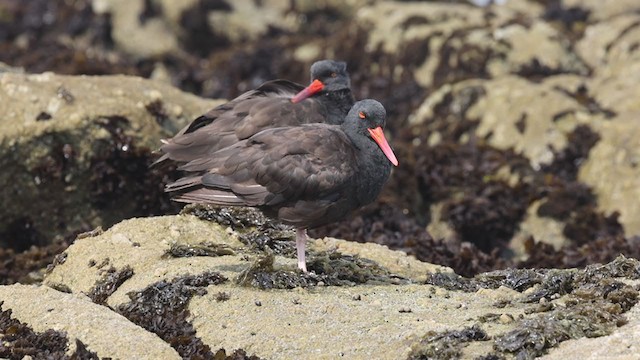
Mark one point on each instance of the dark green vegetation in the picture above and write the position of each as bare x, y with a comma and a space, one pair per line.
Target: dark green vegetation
111, 279
446, 345
328, 268
202, 249
269, 238
594, 306
162, 309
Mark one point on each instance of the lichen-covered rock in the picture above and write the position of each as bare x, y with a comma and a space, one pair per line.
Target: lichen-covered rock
75, 150
620, 345
147, 246
146, 29
612, 169
452, 42
44, 308
513, 113
139, 35
185, 278
610, 43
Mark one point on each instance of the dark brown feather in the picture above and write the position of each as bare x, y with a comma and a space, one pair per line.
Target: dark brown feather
306, 176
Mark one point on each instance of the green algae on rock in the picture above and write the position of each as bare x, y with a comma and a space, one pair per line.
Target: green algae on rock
88, 164
162, 309
111, 279
325, 268
593, 303
205, 248
446, 345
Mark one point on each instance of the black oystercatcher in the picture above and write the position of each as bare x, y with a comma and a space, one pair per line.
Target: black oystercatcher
305, 176
275, 103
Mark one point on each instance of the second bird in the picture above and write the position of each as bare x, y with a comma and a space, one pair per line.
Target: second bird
275, 103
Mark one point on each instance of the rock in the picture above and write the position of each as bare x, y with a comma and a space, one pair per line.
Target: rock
539, 228
599, 11
162, 28
611, 43
72, 145
469, 45
612, 170
384, 318
81, 319
512, 113
145, 245
152, 37
615, 88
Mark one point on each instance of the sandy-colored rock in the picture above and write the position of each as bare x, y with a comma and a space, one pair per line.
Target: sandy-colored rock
249, 20
57, 128
44, 308
546, 112
541, 228
610, 43
603, 10
363, 322
382, 320
393, 26
472, 42
538, 44
533, 119
612, 170
388, 22
615, 87
152, 37
142, 245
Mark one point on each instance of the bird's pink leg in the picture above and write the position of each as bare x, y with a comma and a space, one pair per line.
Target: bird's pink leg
301, 239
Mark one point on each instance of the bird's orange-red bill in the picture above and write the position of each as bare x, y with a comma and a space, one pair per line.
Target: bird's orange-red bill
378, 135
313, 88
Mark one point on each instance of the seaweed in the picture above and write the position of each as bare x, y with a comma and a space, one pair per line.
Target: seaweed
325, 268
108, 284
203, 249
238, 218
162, 309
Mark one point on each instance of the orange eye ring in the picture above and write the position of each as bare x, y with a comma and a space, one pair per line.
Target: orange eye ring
362, 115
334, 75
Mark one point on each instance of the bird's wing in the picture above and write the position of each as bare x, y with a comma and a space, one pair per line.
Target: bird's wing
266, 107
270, 89
274, 167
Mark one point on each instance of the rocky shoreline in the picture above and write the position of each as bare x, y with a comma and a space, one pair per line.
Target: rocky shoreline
516, 127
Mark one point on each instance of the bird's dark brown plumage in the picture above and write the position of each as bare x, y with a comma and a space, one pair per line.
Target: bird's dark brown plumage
306, 176
268, 106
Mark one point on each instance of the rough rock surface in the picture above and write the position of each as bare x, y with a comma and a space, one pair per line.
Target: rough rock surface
81, 319
408, 310
71, 146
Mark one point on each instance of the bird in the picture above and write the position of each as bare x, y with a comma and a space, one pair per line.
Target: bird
305, 176
276, 103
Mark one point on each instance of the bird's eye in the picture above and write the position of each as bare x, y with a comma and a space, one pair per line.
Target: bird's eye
362, 115
334, 75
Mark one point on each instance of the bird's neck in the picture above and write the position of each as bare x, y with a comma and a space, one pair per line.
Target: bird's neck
338, 103
373, 169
